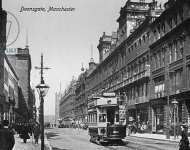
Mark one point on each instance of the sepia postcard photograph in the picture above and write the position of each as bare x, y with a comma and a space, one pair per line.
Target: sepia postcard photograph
94, 74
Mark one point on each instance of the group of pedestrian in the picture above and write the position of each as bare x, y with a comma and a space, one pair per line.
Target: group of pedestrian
25, 130
7, 140
36, 133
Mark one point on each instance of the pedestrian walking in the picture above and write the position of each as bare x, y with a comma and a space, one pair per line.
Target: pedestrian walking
36, 133
7, 140
12, 129
24, 133
184, 142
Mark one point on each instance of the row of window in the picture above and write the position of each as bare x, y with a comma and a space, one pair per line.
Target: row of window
124, 74
144, 38
92, 118
160, 29
139, 90
175, 49
159, 90
176, 80
175, 83
158, 59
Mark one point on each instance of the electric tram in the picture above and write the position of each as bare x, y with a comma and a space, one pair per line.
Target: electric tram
103, 119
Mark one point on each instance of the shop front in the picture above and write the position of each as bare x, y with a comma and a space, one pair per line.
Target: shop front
138, 117
158, 115
158, 119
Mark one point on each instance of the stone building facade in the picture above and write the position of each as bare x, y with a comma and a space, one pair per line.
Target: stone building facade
21, 62
80, 100
126, 69
15, 90
3, 21
148, 66
66, 105
169, 59
10, 92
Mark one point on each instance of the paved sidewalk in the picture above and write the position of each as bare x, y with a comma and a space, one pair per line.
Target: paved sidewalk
29, 145
156, 137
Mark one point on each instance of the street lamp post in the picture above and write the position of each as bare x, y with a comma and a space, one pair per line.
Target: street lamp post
42, 89
175, 103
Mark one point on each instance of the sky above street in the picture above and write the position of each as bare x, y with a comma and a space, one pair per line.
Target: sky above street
65, 38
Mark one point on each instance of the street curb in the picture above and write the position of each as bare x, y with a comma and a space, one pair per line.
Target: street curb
172, 141
47, 143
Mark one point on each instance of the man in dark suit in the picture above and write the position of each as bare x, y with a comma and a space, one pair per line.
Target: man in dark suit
7, 140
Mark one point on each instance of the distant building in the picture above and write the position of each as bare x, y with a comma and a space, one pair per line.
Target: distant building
80, 103
58, 96
66, 105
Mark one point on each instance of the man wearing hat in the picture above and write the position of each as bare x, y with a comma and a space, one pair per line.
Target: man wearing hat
184, 142
7, 140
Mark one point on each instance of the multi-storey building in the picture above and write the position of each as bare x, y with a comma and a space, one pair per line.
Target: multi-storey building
80, 100
10, 91
125, 68
66, 105
149, 65
14, 79
3, 22
170, 69
21, 62
8, 76
97, 74
135, 70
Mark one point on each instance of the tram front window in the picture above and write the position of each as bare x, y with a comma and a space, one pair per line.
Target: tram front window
111, 115
102, 118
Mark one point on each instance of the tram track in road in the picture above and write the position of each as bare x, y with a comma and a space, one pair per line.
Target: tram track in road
132, 146
118, 146
112, 148
147, 145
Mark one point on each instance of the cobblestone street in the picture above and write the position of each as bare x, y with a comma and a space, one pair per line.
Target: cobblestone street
78, 139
